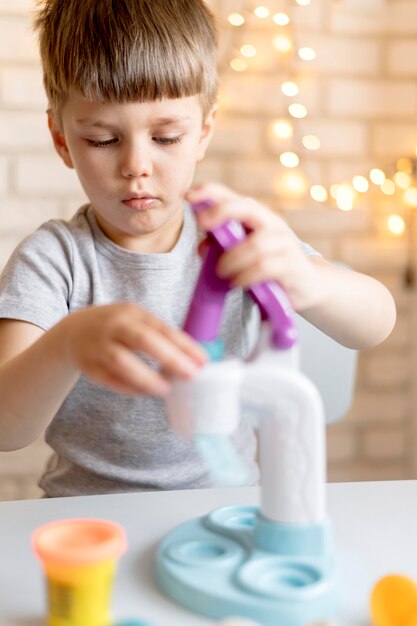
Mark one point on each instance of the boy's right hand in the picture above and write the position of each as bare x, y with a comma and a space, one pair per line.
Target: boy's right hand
102, 341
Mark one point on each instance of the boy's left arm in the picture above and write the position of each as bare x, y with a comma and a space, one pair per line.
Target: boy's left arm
352, 308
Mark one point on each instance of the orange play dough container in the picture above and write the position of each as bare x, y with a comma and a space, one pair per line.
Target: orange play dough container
79, 558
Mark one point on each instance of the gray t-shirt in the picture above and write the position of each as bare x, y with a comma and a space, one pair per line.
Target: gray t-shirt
103, 441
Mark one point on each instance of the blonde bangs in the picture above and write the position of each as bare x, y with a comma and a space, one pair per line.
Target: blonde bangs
129, 51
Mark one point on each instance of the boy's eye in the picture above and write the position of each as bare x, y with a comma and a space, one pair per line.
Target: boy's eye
101, 144
167, 140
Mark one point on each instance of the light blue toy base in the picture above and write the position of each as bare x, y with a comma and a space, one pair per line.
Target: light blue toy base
235, 562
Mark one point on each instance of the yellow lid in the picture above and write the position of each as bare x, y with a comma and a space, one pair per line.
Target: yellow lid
79, 541
394, 601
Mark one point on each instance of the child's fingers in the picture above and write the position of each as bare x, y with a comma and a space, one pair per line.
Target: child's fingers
229, 205
176, 354
124, 372
181, 340
251, 214
252, 251
203, 247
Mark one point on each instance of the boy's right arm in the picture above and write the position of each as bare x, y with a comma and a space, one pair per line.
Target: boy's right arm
38, 369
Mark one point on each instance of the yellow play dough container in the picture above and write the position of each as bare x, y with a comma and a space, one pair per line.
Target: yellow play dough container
79, 558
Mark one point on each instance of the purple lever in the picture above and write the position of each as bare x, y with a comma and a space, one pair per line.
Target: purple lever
205, 312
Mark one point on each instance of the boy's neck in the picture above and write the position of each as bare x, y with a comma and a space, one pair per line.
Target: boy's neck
159, 241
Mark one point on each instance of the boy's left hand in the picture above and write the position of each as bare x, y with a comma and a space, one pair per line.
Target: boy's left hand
270, 251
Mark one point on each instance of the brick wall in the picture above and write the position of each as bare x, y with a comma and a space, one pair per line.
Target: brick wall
361, 93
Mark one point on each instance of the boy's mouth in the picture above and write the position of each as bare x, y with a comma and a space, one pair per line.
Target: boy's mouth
140, 201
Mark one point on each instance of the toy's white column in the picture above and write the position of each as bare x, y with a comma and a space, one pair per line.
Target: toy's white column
291, 441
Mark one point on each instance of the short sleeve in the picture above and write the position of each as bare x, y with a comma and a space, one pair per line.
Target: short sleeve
36, 284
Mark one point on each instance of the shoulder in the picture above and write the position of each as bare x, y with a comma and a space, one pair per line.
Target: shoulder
58, 236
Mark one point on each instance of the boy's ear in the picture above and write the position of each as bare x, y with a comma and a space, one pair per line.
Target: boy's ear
59, 140
206, 132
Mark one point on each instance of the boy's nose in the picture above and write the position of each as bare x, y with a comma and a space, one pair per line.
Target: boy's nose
136, 164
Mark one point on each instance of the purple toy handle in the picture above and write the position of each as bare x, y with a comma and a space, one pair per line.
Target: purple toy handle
205, 312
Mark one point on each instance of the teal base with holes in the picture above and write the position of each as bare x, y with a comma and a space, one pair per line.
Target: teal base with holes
235, 562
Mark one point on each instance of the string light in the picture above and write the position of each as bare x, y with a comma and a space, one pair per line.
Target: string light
410, 197
281, 19
282, 43
311, 142
289, 159
318, 193
345, 196
377, 176
236, 19
261, 12
402, 180
292, 183
388, 187
238, 64
360, 184
297, 110
290, 88
396, 224
333, 190
405, 165
283, 129
307, 54
248, 51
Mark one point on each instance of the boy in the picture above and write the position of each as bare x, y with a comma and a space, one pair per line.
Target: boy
89, 307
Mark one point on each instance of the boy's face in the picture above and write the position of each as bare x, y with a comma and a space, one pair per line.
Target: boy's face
135, 161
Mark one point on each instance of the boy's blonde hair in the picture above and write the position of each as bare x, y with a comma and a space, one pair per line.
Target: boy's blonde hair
127, 50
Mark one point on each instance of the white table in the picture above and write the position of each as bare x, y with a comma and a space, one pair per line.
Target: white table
375, 526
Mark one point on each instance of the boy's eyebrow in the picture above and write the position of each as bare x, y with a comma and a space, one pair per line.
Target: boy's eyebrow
162, 121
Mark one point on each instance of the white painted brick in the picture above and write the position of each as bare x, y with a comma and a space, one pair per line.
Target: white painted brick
401, 17
16, 7
236, 136
400, 336
267, 58
394, 281
394, 139
19, 487
401, 57
4, 174
28, 461
210, 170
7, 245
378, 407
259, 95
255, 176
340, 56
392, 371
23, 215
339, 170
21, 130
309, 17
368, 471
43, 175
358, 18
9, 489
260, 176
329, 222
384, 443
383, 98
21, 87
17, 42
369, 254
341, 443
338, 138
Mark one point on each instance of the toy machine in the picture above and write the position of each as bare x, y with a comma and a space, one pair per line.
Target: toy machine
274, 564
